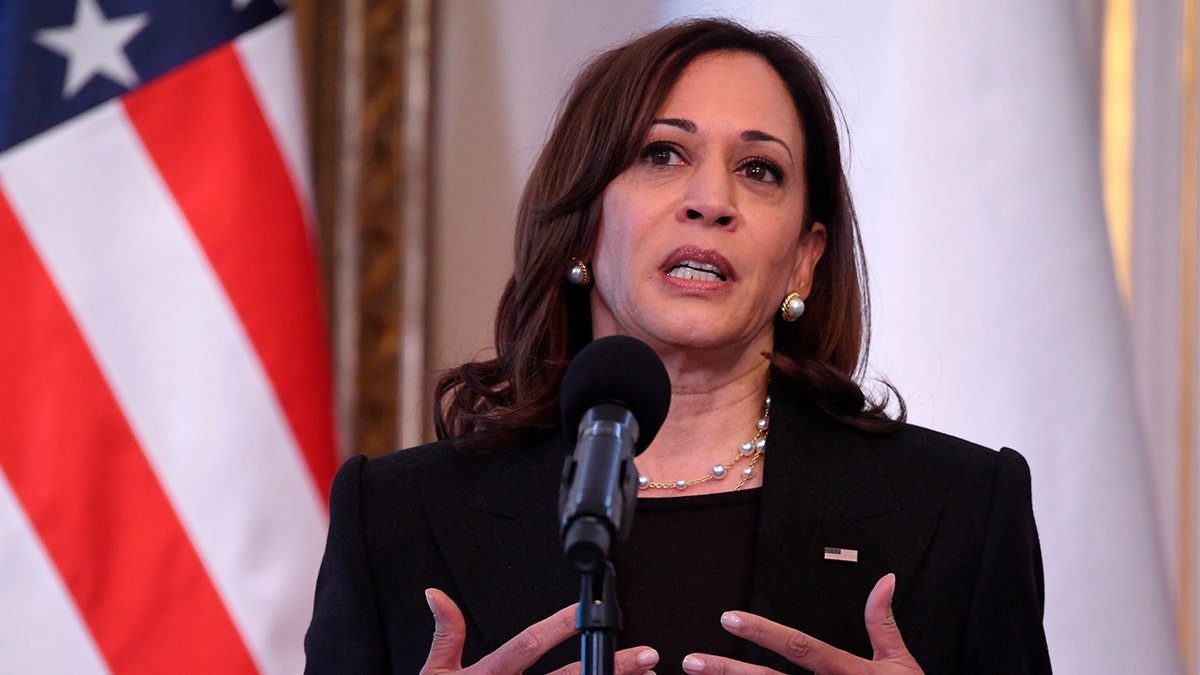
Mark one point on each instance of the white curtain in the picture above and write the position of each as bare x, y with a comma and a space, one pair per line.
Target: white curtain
974, 163
973, 150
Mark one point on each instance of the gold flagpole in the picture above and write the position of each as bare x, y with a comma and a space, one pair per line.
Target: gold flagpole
1187, 332
1117, 119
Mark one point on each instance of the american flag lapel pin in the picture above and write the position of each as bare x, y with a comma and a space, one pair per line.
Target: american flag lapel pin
841, 554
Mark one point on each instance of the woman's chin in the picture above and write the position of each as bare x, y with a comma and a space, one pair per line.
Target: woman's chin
710, 338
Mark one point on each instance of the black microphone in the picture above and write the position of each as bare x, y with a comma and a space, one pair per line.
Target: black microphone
615, 396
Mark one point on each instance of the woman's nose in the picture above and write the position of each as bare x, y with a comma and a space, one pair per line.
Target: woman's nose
709, 198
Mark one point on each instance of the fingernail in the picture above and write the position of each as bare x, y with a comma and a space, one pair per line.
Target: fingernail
647, 657
429, 601
693, 664
731, 620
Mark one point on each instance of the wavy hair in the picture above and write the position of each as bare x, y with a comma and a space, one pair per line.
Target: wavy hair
542, 321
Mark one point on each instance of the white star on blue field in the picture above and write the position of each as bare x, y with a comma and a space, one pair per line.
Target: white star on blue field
59, 58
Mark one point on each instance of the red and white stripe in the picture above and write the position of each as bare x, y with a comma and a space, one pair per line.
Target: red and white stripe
167, 439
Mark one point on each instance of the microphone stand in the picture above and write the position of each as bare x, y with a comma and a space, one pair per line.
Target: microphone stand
597, 507
599, 618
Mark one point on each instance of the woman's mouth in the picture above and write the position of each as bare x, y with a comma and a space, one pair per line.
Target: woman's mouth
692, 263
693, 270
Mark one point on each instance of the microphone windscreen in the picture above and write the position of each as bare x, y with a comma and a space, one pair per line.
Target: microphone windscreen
617, 369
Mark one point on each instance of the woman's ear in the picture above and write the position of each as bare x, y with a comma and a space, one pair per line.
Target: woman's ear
808, 253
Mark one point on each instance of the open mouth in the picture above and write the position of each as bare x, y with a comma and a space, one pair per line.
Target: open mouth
695, 271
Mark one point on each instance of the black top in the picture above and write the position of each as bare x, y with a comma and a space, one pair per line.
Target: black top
952, 520
687, 560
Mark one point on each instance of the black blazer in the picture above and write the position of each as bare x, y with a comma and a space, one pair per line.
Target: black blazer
951, 519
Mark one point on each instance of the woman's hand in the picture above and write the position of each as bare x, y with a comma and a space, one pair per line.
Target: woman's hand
519, 653
891, 656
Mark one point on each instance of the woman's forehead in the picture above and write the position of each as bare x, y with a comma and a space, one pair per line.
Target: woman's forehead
739, 90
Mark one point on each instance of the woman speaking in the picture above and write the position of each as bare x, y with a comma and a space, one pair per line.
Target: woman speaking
692, 196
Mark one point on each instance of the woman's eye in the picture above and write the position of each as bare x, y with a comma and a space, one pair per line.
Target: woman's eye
762, 170
661, 154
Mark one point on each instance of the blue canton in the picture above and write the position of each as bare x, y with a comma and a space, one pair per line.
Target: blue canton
34, 88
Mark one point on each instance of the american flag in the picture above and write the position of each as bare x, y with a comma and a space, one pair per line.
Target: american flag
166, 441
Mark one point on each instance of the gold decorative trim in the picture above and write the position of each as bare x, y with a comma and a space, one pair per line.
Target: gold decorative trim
412, 412
367, 65
1187, 323
1117, 120
344, 173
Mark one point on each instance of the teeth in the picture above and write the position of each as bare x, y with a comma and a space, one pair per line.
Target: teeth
701, 266
689, 273
690, 269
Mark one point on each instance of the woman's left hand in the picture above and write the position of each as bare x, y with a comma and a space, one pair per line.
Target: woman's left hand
891, 656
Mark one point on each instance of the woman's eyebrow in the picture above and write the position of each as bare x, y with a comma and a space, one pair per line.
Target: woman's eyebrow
687, 125
756, 135
750, 135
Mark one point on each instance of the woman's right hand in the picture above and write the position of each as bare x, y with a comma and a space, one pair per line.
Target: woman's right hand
519, 653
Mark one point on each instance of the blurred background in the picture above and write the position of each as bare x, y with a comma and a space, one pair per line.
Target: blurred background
1025, 175
239, 240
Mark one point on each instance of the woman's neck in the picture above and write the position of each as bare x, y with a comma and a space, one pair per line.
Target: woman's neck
713, 412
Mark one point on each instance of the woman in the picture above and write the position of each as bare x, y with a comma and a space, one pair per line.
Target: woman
691, 195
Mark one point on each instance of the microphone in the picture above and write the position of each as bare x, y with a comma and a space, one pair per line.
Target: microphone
614, 398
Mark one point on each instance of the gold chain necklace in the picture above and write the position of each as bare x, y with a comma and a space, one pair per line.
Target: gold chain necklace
752, 449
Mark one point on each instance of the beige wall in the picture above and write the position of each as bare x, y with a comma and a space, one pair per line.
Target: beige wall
503, 65
500, 70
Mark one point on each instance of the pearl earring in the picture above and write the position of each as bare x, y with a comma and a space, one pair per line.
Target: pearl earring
578, 273
792, 307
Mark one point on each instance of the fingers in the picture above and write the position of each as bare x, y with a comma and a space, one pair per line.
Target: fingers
881, 625
719, 665
632, 661
809, 652
635, 661
526, 647
449, 632
799, 648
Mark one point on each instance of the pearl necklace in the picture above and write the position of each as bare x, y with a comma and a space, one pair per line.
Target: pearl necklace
752, 449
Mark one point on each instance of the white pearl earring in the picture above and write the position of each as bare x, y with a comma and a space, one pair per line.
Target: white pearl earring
578, 273
792, 307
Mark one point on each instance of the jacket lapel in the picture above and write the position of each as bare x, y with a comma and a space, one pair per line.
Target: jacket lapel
502, 546
821, 490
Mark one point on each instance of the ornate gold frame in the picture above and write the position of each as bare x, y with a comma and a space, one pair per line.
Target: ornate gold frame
367, 66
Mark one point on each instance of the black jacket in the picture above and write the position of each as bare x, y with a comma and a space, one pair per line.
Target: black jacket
951, 519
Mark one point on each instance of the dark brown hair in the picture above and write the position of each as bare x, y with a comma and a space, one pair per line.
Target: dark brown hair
542, 321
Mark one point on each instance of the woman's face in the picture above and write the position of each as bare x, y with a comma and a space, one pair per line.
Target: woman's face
700, 238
